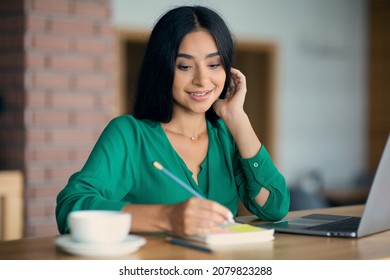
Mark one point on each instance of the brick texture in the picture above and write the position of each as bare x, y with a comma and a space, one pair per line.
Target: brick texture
56, 95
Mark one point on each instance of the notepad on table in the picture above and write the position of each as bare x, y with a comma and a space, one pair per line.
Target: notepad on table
234, 234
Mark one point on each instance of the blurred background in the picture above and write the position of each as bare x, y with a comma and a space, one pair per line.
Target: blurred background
318, 92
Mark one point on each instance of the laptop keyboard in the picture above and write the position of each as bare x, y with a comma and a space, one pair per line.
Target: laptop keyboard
347, 225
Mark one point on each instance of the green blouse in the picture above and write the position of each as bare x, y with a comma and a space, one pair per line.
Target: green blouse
120, 171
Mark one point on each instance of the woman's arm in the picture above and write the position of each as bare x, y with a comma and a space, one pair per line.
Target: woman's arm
231, 110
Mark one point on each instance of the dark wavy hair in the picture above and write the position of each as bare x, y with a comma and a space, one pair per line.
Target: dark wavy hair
154, 98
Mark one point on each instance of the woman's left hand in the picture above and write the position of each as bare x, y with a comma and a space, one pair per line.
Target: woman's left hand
235, 96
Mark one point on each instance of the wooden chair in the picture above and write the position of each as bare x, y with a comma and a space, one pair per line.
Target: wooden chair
11, 205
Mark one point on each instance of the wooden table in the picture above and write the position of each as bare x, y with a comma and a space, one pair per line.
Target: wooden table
284, 247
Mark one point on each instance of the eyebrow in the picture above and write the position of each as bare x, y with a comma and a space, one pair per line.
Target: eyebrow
192, 57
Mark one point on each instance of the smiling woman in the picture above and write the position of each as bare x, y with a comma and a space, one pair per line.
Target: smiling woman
199, 77
189, 116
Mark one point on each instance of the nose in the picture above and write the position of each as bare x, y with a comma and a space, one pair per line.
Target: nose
200, 76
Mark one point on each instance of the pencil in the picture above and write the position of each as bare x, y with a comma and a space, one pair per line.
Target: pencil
158, 166
187, 244
176, 179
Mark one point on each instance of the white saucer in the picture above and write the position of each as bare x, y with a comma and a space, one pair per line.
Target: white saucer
130, 245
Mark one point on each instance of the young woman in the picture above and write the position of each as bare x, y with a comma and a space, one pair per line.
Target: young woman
188, 116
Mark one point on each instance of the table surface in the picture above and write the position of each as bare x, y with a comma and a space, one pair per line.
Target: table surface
284, 247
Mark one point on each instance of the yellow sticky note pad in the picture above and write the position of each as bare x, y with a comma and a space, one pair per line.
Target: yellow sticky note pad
242, 228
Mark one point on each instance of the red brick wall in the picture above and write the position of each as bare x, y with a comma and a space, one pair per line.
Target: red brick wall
57, 82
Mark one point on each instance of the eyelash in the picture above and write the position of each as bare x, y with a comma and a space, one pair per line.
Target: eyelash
215, 65
183, 67
187, 67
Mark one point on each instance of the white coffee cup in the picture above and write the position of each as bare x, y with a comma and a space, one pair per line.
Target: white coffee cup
99, 226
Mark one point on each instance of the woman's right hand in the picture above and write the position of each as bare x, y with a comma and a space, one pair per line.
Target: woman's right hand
196, 216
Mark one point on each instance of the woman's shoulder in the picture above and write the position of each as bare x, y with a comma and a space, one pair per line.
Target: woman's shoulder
129, 121
219, 128
125, 126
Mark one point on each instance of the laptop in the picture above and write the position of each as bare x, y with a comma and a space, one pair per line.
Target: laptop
375, 218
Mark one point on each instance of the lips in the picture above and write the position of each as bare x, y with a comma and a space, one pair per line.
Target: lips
200, 93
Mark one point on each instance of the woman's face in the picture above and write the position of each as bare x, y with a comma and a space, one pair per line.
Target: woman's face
199, 75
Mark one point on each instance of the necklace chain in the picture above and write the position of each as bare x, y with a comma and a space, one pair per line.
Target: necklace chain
192, 138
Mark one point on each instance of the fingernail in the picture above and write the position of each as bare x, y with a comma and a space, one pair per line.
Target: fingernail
230, 217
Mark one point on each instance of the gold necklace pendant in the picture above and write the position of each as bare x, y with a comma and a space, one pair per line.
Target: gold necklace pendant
192, 138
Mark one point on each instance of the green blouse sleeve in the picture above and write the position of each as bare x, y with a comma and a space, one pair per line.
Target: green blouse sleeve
97, 185
260, 172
